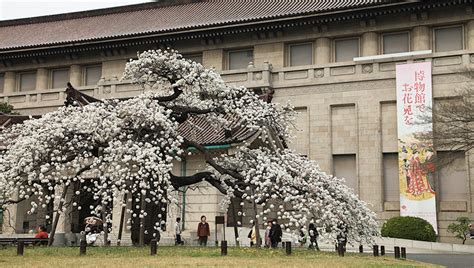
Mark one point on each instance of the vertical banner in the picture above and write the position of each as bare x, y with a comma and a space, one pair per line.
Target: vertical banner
414, 95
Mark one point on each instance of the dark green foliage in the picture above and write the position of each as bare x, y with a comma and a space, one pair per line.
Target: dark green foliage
5, 108
412, 228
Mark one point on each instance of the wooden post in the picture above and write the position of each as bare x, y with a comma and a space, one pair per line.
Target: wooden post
397, 252
122, 219
376, 250
404, 253
58, 214
361, 249
20, 248
382, 250
224, 248
288, 248
83, 245
257, 229
153, 247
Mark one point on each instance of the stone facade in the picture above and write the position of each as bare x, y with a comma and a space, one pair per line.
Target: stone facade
348, 109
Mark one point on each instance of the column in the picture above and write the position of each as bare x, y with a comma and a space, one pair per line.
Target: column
64, 223
41, 79
323, 50
9, 86
10, 218
470, 34
75, 75
420, 38
369, 44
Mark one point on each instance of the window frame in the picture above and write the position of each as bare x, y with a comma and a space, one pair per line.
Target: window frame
381, 42
84, 72
51, 76
227, 56
288, 52
18, 80
334, 50
463, 38
187, 56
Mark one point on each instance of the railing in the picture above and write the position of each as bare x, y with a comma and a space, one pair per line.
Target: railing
261, 77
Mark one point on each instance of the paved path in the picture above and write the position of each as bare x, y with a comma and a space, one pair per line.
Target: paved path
448, 260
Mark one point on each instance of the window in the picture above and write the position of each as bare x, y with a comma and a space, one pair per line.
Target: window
346, 49
59, 78
453, 183
239, 59
2, 82
345, 167
395, 43
27, 81
449, 38
391, 180
92, 74
300, 54
196, 58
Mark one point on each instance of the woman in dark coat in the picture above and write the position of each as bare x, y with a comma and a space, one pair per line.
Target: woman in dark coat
313, 237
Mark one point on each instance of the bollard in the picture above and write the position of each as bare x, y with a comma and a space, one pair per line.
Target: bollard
224, 248
404, 253
288, 248
340, 250
376, 250
361, 249
20, 248
83, 244
382, 250
153, 247
397, 252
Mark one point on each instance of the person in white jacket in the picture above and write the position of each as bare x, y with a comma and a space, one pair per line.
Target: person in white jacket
177, 230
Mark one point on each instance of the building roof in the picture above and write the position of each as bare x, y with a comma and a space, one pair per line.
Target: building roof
159, 17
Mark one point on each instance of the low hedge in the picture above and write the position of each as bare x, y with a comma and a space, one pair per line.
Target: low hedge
412, 228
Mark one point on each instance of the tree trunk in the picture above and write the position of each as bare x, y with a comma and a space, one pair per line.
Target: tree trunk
236, 231
58, 214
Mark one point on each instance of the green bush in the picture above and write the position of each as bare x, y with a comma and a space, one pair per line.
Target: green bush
409, 228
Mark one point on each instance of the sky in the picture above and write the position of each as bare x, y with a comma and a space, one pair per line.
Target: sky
14, 9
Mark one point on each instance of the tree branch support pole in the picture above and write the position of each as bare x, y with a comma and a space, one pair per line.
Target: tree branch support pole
257, 229
105, 225
141, 236
122, 219
58, 214
236, 231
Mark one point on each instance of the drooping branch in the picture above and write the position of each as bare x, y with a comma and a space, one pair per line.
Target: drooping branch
175, 95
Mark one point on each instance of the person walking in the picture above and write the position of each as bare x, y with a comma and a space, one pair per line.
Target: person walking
203, 231
177, 232
275, 233
302, 237
313, 237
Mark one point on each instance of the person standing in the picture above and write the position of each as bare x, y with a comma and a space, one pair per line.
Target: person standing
203, 231
253, 235
275, 234
177, 230
313, 237
268, 242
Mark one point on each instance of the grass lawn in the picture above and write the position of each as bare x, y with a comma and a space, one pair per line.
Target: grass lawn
190, 257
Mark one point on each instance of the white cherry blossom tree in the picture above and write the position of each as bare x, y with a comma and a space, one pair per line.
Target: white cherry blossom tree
128, 147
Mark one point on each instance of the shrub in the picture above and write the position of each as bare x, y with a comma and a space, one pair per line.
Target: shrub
409, 228
5, 108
